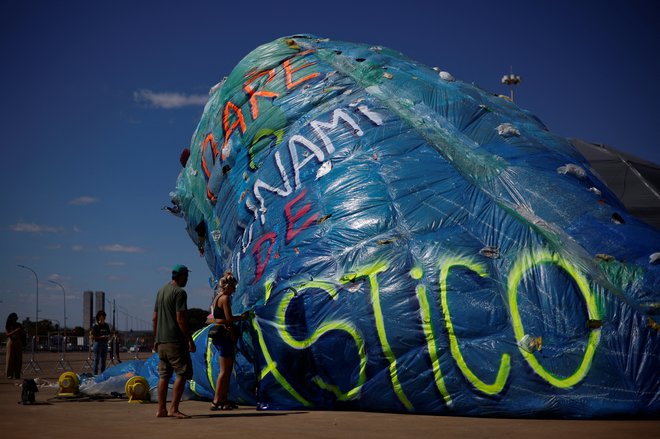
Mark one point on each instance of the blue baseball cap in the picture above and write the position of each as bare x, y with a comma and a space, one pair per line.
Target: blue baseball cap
180, 269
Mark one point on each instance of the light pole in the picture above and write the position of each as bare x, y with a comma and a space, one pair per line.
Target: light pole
511, 80
63, 363
33, 362
114, 339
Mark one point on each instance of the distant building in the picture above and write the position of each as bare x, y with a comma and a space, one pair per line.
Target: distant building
88, 313
99, 302
93, 302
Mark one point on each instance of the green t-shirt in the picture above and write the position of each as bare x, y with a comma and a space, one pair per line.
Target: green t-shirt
171, 298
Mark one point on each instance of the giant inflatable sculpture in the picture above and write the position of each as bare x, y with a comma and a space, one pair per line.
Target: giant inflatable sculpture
408, 242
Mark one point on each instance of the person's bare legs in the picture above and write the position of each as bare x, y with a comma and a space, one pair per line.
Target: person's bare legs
218, 384
177, 393
222, 389
162, 397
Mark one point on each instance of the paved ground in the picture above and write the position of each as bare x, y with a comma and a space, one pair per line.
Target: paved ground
54, 418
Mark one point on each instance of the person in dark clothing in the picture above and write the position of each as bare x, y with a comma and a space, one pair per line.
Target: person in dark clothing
100, 334
114, 346
14, 360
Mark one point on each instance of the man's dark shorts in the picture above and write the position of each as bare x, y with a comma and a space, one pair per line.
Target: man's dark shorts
174, 357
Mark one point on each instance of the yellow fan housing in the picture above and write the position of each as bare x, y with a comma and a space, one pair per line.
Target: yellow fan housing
69, 384
137, 389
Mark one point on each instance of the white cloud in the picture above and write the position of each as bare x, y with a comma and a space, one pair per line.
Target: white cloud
34, 228
168, 100
116, 263
58, 277
118, 248
77, 248
84, 200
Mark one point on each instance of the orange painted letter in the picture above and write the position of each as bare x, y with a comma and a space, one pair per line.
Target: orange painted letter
254, 107
289, 71
225, 122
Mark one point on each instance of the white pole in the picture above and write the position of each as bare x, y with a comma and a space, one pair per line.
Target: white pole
33, 363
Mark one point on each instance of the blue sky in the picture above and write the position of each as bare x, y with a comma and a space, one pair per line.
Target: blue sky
99, 98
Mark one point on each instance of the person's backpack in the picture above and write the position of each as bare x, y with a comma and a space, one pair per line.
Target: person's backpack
29, 388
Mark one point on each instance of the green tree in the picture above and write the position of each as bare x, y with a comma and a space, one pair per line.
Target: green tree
78, 331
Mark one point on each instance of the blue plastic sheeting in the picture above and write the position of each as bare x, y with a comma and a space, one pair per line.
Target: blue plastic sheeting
205, 366
408, 242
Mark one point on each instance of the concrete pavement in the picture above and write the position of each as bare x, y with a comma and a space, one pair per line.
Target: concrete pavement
54, 417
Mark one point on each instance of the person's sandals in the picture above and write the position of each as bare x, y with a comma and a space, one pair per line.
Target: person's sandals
223, 405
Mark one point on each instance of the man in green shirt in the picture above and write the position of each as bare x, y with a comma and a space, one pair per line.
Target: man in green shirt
173, 341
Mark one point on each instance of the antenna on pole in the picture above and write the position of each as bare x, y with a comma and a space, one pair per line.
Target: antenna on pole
511, 80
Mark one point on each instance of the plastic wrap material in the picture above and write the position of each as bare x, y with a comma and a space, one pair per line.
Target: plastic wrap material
406, 243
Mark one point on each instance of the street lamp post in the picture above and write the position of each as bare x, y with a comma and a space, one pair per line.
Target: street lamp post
114, 339
511, 80
114, 352
63, 363
32, 364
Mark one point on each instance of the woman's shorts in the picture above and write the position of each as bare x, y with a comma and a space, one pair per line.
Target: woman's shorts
226, 348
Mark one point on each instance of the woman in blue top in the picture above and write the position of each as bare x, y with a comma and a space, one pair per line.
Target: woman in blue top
222, 315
